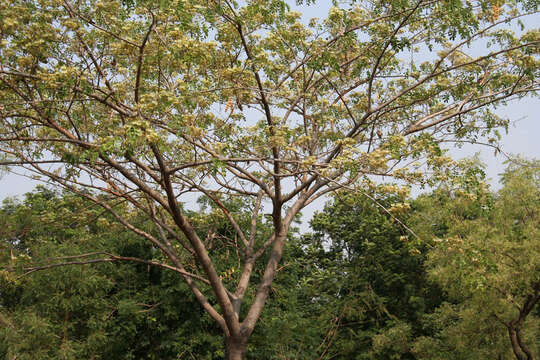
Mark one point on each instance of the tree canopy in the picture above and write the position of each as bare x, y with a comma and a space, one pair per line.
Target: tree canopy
155, 103
486, 259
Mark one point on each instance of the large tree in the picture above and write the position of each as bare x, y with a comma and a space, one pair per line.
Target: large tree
148, 102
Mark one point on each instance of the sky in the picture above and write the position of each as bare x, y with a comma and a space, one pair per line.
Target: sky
523, 136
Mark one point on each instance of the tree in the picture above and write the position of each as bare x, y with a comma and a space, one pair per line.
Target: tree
485, 256
246, 101
104, 311
376, 281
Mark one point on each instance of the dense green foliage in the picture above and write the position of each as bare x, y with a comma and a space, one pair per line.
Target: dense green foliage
360, 286
95, 311
487, 259
135, 311
370, 277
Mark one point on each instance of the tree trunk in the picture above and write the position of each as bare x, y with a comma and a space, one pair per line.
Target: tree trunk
235, 348
514, 342
522, 345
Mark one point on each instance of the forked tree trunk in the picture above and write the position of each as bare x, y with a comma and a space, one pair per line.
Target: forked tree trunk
236, 348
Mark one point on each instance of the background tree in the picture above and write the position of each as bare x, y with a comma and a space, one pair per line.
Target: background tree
486, 258
374, 281
146, 102
101, 311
